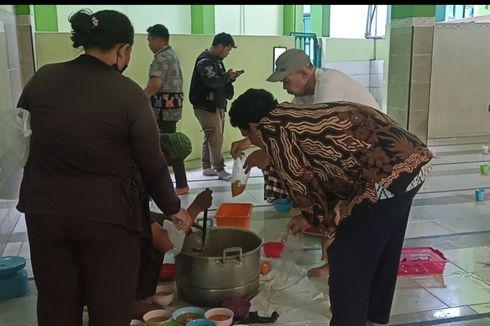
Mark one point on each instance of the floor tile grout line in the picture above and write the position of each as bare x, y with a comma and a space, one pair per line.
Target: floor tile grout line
454, 163
446, 320
445, 235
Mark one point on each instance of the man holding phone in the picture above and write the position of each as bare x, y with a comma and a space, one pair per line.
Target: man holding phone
211, 87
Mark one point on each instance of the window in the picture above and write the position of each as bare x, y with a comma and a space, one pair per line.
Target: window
358, 21
376, 21
277, 51
459, 11
306, 18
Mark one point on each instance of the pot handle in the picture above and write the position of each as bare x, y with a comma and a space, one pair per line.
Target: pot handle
237, 254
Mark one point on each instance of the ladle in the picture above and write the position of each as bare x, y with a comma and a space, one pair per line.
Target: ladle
204, 228
203, 238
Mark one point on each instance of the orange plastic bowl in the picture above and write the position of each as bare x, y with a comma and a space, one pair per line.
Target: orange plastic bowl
273, 249
167, 272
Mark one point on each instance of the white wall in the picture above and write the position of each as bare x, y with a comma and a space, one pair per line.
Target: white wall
460, 81
8, 8
227, 19
10, 88
177, 18
249, 19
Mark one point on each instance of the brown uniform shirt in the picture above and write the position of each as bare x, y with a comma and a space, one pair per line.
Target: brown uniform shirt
90, 124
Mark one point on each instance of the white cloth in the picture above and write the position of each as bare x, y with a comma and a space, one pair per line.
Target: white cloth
333, 85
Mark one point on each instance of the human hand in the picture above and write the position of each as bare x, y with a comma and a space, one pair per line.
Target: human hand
239, 73
234, 74
258, 158
182, 220
298, 224
202, 202
237, 147
325, 242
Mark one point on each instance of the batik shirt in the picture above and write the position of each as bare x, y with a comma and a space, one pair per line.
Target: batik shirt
332, 156
167, 102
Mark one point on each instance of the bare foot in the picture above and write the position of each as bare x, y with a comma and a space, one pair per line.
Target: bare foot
182, 191
319, 271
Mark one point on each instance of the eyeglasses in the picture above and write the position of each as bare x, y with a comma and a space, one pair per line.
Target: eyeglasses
285, 81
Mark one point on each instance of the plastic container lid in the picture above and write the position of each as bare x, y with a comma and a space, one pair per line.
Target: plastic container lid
10, 265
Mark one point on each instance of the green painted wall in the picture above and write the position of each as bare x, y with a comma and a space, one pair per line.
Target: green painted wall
55, 47
46, 18
202, 19
320, 20
22, 10
483, 10
406, 11
292, 19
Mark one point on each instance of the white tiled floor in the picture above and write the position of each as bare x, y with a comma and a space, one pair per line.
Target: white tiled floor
444, 215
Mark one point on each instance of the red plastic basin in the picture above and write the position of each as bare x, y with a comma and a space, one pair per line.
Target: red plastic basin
273, 249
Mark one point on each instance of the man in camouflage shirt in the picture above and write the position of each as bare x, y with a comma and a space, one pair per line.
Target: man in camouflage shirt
165, 91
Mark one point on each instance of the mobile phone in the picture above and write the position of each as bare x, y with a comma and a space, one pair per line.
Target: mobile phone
240, 71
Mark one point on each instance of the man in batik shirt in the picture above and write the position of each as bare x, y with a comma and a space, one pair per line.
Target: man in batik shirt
353, 172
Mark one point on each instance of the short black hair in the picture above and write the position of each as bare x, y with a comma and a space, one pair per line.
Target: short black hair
224, 39
251, 107
159, 30
101, 30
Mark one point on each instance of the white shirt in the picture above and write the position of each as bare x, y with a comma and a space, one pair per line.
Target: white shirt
333, 85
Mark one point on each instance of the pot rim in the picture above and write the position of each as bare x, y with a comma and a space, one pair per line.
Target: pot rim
220, 257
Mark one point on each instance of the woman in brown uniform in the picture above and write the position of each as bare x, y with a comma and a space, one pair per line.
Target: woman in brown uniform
353, 172
91, 127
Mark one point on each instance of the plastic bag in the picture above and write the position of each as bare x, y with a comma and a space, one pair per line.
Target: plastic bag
175, 236
15, 132
238, 178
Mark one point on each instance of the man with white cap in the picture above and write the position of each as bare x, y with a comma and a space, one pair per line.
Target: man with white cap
309, 85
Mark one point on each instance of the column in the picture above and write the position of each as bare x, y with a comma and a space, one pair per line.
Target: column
46, 18
25, 41
410, 63
320, 20
202, 19
292, 19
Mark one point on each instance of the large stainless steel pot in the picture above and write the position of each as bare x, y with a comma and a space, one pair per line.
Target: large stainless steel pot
228, 267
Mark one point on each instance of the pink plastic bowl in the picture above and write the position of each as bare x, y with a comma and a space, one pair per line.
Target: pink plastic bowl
273, 249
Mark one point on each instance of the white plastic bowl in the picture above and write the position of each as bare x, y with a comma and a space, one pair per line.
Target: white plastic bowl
164, 295
164, 315
220, 311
